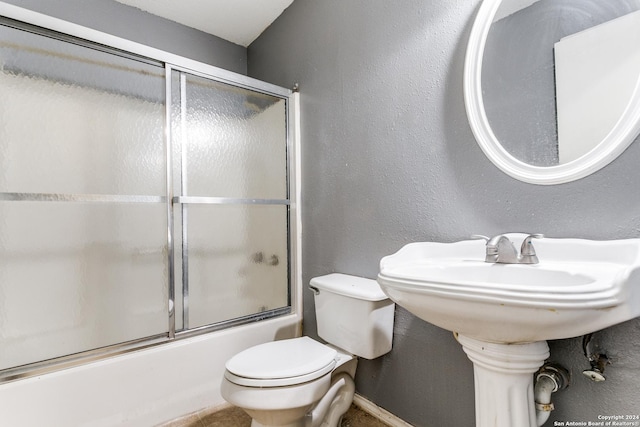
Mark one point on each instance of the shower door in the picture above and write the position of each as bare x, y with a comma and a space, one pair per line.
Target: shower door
140, 202
230, 181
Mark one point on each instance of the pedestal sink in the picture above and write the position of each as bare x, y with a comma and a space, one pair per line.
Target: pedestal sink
502, 314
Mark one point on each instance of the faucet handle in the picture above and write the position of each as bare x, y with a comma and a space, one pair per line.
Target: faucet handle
527, 245
479, 237
527, 251
535, 236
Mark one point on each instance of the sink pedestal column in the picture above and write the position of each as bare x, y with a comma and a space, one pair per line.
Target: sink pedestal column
504, 381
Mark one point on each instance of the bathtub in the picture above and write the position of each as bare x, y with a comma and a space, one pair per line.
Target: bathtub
141, 388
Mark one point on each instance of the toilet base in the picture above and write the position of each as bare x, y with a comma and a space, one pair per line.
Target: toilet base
254, 423
299, 422
326, 412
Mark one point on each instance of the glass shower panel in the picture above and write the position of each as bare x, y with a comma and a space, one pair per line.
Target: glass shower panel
230, 171
88, 259
237, 261
76, 276
83, 214
235, 141
77, 120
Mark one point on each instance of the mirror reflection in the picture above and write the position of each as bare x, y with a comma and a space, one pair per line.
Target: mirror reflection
558, 74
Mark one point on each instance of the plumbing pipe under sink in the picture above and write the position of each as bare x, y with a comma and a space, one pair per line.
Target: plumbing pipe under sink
550, 378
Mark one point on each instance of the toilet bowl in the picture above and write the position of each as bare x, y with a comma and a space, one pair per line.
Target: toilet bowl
278, 383
301, 382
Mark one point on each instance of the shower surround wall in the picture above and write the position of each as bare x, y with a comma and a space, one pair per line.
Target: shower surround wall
389, 159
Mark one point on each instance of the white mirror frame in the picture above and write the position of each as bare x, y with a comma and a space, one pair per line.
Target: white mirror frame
625, 131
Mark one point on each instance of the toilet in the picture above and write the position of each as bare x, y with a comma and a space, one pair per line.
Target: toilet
301, 382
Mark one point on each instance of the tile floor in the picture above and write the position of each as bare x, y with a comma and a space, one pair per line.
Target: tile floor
235, 417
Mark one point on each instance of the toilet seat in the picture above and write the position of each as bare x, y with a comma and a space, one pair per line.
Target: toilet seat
281, 363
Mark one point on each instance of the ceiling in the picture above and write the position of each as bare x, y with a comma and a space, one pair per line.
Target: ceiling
238, 21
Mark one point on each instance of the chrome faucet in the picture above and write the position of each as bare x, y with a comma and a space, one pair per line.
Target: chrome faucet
500, 249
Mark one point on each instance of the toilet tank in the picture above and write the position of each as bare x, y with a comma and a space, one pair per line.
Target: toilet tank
353, 314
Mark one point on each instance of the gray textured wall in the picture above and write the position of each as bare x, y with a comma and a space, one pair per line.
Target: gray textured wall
133, 24
389, 158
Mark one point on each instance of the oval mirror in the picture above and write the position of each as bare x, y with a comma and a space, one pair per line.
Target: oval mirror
552, 87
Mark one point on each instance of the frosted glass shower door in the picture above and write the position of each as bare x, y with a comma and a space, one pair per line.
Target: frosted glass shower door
140, 202
83, 219
233, 207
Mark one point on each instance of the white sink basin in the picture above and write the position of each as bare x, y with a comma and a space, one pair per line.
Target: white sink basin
579, 286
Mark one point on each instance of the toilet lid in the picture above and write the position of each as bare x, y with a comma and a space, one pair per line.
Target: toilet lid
280, 363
